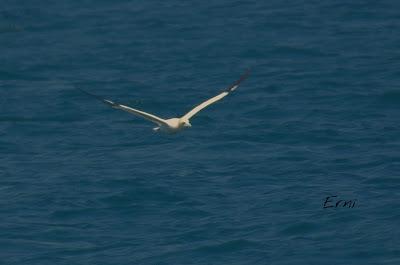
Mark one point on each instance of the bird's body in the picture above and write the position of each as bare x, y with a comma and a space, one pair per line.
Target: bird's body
172, 125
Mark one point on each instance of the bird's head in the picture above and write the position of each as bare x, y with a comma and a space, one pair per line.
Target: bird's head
185, 123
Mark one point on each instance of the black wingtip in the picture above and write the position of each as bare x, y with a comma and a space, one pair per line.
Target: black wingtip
105, 101
236, 83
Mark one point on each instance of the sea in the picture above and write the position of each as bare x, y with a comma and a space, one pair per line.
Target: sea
299, 165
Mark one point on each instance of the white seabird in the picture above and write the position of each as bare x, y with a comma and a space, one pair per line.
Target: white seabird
172, 125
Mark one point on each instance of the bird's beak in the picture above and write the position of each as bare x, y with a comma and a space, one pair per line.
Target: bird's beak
186, 124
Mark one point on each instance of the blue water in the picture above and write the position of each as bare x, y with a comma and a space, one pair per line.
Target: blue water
81, 183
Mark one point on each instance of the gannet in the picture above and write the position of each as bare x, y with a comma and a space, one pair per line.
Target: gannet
172, 125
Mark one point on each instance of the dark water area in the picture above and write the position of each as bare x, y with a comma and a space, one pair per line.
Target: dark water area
81, 183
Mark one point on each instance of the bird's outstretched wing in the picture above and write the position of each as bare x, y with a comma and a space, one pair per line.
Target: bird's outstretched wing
226, 92
136, 112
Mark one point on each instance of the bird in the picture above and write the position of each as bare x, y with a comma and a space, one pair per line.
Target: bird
172, 125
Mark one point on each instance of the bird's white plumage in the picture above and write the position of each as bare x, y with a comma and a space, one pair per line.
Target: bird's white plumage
143, 114
175, 124
204, 105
